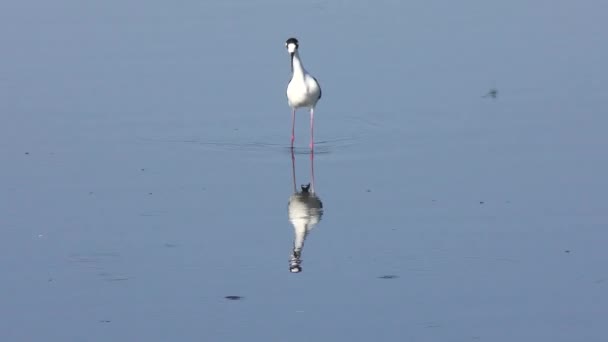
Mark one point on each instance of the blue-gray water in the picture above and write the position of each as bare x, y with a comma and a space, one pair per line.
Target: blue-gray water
145, 171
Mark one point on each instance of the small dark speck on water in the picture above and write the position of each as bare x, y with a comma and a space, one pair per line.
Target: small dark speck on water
368, 190
143, 169
233, 297
117, 278
481, 202
27, 153
90, 192
567, 251
104, 321
493, 93
149, 193
388, 276
170, 245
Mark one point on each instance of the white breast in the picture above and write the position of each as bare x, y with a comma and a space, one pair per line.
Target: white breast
303, 92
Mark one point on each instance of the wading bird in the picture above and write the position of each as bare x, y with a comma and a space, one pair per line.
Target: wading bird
303, 91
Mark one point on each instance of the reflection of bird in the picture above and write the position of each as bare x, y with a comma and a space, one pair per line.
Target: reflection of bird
305, 210
302, 91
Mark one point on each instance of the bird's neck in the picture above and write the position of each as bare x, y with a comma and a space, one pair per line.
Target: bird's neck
296, 66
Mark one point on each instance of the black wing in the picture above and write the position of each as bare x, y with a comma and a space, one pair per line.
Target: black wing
320, 91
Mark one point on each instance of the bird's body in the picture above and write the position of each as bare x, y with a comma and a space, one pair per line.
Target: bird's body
303, 90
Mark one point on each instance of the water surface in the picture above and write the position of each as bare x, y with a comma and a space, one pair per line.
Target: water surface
146, 170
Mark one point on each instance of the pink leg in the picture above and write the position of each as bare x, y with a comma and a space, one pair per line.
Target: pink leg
312, 170
293, 126
312, 129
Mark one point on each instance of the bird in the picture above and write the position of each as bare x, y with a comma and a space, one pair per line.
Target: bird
303, 90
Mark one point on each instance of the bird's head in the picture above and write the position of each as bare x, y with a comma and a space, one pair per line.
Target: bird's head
292, 45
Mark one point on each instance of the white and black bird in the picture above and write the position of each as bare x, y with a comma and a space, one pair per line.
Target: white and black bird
303, 91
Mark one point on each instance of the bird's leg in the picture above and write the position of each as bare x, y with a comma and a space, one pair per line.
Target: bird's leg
293, 170
312, 129
312, 170
293, 126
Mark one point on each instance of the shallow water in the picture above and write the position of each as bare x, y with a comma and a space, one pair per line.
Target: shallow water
146, 171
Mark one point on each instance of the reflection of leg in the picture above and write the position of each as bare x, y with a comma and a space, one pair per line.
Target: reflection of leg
293, 170
293, 126
312, 129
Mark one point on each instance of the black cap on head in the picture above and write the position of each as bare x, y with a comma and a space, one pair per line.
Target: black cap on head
291, 41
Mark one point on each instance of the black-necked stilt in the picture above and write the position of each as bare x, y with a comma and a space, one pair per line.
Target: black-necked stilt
302, 91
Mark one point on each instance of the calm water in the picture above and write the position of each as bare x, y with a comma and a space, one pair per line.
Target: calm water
145, 171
